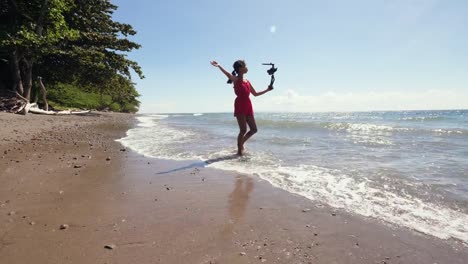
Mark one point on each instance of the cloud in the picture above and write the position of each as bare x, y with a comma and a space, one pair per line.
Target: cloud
187, 104
291, 101
364, 101
158, 107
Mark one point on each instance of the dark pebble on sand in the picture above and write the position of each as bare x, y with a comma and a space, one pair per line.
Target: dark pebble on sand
110, 246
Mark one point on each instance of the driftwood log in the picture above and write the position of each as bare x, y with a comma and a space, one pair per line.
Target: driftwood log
12, 102
35, 110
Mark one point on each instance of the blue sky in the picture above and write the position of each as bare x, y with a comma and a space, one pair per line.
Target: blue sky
332, 55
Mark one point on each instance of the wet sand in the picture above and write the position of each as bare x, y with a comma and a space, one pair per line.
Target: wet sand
68, 190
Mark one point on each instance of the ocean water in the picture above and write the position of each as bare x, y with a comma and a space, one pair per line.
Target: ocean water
408, 168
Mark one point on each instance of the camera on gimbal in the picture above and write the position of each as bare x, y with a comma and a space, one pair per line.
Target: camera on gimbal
272, 70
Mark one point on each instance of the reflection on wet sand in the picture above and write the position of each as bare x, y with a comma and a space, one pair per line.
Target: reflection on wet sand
237, 203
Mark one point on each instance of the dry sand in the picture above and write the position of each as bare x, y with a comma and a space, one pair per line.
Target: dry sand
68, 190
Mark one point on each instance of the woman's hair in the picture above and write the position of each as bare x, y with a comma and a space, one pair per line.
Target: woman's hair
237, 64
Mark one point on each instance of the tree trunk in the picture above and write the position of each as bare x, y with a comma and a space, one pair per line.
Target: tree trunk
40, 21
28, 78
44, 94
101, 98
16, 71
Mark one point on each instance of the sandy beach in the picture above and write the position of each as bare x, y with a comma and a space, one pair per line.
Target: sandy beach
70, 193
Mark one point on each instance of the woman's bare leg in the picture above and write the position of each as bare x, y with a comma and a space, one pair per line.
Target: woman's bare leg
253, 128
242, 122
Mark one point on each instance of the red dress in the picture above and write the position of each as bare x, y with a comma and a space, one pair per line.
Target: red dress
242, 104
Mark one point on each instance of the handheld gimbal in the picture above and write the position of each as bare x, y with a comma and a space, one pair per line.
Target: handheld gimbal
271, 72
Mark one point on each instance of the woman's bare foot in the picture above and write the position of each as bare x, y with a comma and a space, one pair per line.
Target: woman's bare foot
240, 150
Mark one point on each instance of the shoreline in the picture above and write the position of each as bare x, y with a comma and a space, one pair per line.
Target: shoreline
72, 172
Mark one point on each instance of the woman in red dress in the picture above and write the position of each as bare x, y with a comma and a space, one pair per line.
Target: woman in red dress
243, 110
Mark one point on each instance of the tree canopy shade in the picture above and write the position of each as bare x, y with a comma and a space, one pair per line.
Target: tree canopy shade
73, 42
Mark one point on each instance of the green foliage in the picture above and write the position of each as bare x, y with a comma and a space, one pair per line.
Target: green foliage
35, 27
98, 54
66, 96
76, 47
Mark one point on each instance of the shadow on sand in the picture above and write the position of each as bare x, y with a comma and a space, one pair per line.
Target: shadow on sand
202, 164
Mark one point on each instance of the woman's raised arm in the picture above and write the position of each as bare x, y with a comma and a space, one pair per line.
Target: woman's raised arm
228, 74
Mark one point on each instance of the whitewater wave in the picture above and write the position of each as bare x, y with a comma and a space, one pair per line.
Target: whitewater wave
400, 202
362, 196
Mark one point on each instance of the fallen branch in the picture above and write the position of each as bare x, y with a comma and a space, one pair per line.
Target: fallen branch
44, 93
35, 110
13, 102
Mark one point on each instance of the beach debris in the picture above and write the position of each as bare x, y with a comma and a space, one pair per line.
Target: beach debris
305, 210
110, 246
36, 110
64, 226
242, 253
77, 166
13, 102
334, 214
123, 149
108, 158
